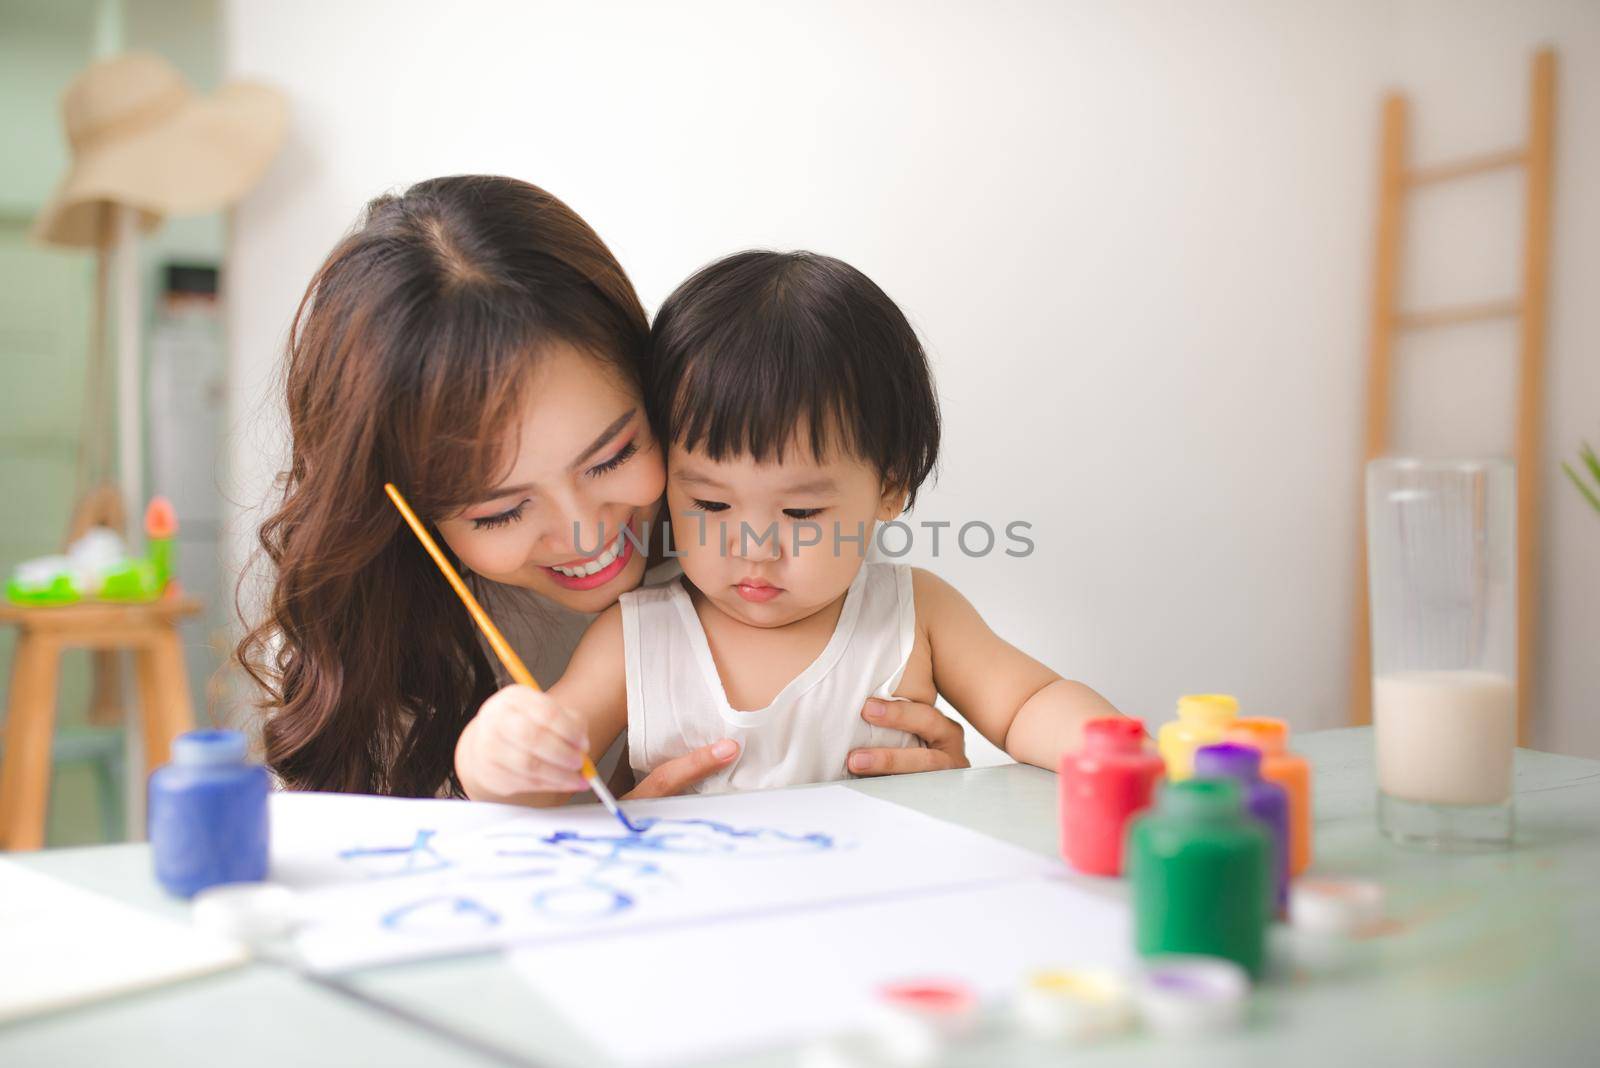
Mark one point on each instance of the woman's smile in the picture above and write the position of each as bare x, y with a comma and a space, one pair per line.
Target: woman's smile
595, 571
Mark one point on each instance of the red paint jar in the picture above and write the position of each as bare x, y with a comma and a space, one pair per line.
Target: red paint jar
1103, 786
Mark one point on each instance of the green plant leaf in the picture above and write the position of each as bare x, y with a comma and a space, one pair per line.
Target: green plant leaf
1590, 461
1588, 494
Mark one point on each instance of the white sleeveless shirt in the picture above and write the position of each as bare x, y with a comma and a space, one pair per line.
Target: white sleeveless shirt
676, 701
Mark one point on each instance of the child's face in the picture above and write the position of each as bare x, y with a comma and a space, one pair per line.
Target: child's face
769, 556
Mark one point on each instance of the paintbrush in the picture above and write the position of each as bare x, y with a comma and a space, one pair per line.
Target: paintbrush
502, 649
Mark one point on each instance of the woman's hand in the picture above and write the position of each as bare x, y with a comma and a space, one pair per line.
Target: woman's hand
678, 774
946, 742
522, 742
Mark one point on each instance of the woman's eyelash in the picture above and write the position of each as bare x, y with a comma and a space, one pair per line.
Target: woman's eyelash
511, 515
710, 506
499, 519
623, 455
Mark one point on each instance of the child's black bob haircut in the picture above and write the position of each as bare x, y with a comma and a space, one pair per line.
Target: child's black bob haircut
755, 346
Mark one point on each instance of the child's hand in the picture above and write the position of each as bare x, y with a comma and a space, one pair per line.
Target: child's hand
521, 742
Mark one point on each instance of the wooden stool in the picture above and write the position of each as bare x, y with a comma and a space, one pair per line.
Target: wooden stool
149, 630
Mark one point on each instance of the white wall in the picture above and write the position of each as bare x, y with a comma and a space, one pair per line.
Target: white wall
1135, 238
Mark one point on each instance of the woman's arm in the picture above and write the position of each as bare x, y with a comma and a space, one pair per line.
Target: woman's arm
944, 742
1016, 702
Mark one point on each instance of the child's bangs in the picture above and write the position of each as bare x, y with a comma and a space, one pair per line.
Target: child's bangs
767, 409
763, 352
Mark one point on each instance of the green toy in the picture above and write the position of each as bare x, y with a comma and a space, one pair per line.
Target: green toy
134, 580
53, 587
87, 573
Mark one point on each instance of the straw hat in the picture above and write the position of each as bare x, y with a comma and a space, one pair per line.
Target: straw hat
142, 137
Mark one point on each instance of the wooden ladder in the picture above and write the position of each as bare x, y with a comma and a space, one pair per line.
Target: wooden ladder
1396, 179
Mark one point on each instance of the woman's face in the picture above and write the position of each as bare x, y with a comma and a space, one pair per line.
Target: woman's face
584, 467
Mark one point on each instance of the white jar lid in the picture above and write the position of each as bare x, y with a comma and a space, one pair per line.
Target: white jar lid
1074, 1005
250, 912
1190, 995
1335, 906
913, 1021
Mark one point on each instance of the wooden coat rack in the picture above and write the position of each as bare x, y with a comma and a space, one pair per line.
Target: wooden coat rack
1397, 179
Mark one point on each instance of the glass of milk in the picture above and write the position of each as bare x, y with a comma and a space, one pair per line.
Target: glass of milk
1441, 564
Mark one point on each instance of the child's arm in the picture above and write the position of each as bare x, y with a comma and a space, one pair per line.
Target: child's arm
1016, 702
522, 747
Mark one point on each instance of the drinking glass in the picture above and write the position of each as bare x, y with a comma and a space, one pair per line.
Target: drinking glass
1442, 570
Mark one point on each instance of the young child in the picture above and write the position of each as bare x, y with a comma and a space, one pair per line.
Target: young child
799, 412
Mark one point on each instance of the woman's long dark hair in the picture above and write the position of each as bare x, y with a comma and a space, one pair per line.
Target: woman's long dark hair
407, 361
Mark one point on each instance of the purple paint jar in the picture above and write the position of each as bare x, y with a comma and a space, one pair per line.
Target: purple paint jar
1266, 801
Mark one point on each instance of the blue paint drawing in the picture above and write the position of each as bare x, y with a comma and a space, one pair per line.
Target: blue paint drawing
513, 862
441, 915
630, 858
417, 858
582, 901
690, 837
576, 877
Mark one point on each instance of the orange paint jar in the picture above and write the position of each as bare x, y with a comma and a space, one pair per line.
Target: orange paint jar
1289, 770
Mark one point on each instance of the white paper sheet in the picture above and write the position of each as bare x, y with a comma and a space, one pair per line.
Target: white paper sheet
61, 945
713, 990
388, 880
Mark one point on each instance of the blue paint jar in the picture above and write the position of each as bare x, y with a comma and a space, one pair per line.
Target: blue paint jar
208, 814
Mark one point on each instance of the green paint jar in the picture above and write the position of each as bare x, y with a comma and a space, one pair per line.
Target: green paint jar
1202, 875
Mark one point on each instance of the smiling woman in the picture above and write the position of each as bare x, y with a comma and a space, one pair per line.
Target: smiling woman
458, 321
